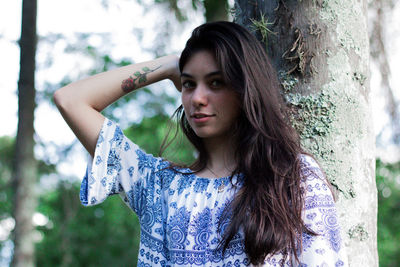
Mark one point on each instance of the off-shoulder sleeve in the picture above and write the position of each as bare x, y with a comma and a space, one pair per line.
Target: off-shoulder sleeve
320, 215
118, 166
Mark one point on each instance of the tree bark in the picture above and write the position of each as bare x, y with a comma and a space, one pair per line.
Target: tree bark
25, 166
320, 49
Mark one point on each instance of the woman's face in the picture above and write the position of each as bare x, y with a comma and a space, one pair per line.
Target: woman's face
211, 106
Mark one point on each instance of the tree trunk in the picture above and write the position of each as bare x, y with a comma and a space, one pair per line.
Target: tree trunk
320, 49
25, 167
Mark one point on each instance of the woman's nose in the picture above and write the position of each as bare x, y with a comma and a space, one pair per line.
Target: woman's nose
200, 96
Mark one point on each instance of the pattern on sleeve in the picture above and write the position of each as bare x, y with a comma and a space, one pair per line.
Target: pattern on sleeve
118, 166
320, 216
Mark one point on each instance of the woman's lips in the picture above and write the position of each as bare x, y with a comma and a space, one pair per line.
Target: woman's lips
201, 117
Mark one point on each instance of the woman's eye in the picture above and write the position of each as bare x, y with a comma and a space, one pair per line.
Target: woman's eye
188, 84
217, 83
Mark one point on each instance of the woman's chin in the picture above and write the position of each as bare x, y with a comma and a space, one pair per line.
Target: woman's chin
202, 133
209, 135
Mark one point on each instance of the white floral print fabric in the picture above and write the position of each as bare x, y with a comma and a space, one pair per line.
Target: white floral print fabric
179, 212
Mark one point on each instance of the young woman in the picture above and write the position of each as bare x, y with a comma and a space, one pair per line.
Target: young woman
252, 197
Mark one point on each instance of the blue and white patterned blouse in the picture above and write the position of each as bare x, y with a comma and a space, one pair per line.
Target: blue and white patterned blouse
179, 213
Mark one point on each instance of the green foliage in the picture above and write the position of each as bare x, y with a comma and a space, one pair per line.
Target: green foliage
213, 9
104, 235
262, 27
7, 151
216, 10
6, 158
7, 148
150, 133
388, 184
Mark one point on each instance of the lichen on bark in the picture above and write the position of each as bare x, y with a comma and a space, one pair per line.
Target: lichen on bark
358, 232
311, 115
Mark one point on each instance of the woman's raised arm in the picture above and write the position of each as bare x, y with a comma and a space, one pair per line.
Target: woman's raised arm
80, 102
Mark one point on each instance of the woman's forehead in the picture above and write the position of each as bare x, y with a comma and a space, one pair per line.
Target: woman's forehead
203, 62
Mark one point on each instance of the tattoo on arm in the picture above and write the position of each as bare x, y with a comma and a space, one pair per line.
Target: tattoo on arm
129, 84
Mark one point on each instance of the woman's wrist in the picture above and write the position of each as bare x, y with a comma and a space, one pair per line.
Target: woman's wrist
171, 66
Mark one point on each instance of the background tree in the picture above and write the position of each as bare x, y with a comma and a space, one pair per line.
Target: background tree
321, 51
379, 11
25, 165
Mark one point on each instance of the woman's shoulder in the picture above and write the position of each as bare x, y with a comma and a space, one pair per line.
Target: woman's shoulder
314, 183
310, 168
320, 216
313, 178
307, 160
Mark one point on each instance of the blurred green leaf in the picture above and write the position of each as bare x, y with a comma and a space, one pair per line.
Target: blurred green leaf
103, 235
388, 184
150, 133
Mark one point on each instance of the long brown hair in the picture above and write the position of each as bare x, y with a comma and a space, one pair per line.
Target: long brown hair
268, 205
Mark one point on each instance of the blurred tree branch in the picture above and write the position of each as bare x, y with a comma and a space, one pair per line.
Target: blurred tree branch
25, 169
379, 54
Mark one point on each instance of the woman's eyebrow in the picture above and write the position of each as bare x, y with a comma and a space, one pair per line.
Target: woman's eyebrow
213, 73
183, 74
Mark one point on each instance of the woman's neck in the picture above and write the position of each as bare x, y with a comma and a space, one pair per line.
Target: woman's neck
221, 153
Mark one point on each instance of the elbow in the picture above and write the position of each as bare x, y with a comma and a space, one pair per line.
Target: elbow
71, 97
60, 99
64, 99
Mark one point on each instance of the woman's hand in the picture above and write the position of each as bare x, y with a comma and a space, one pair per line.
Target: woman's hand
174, 72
